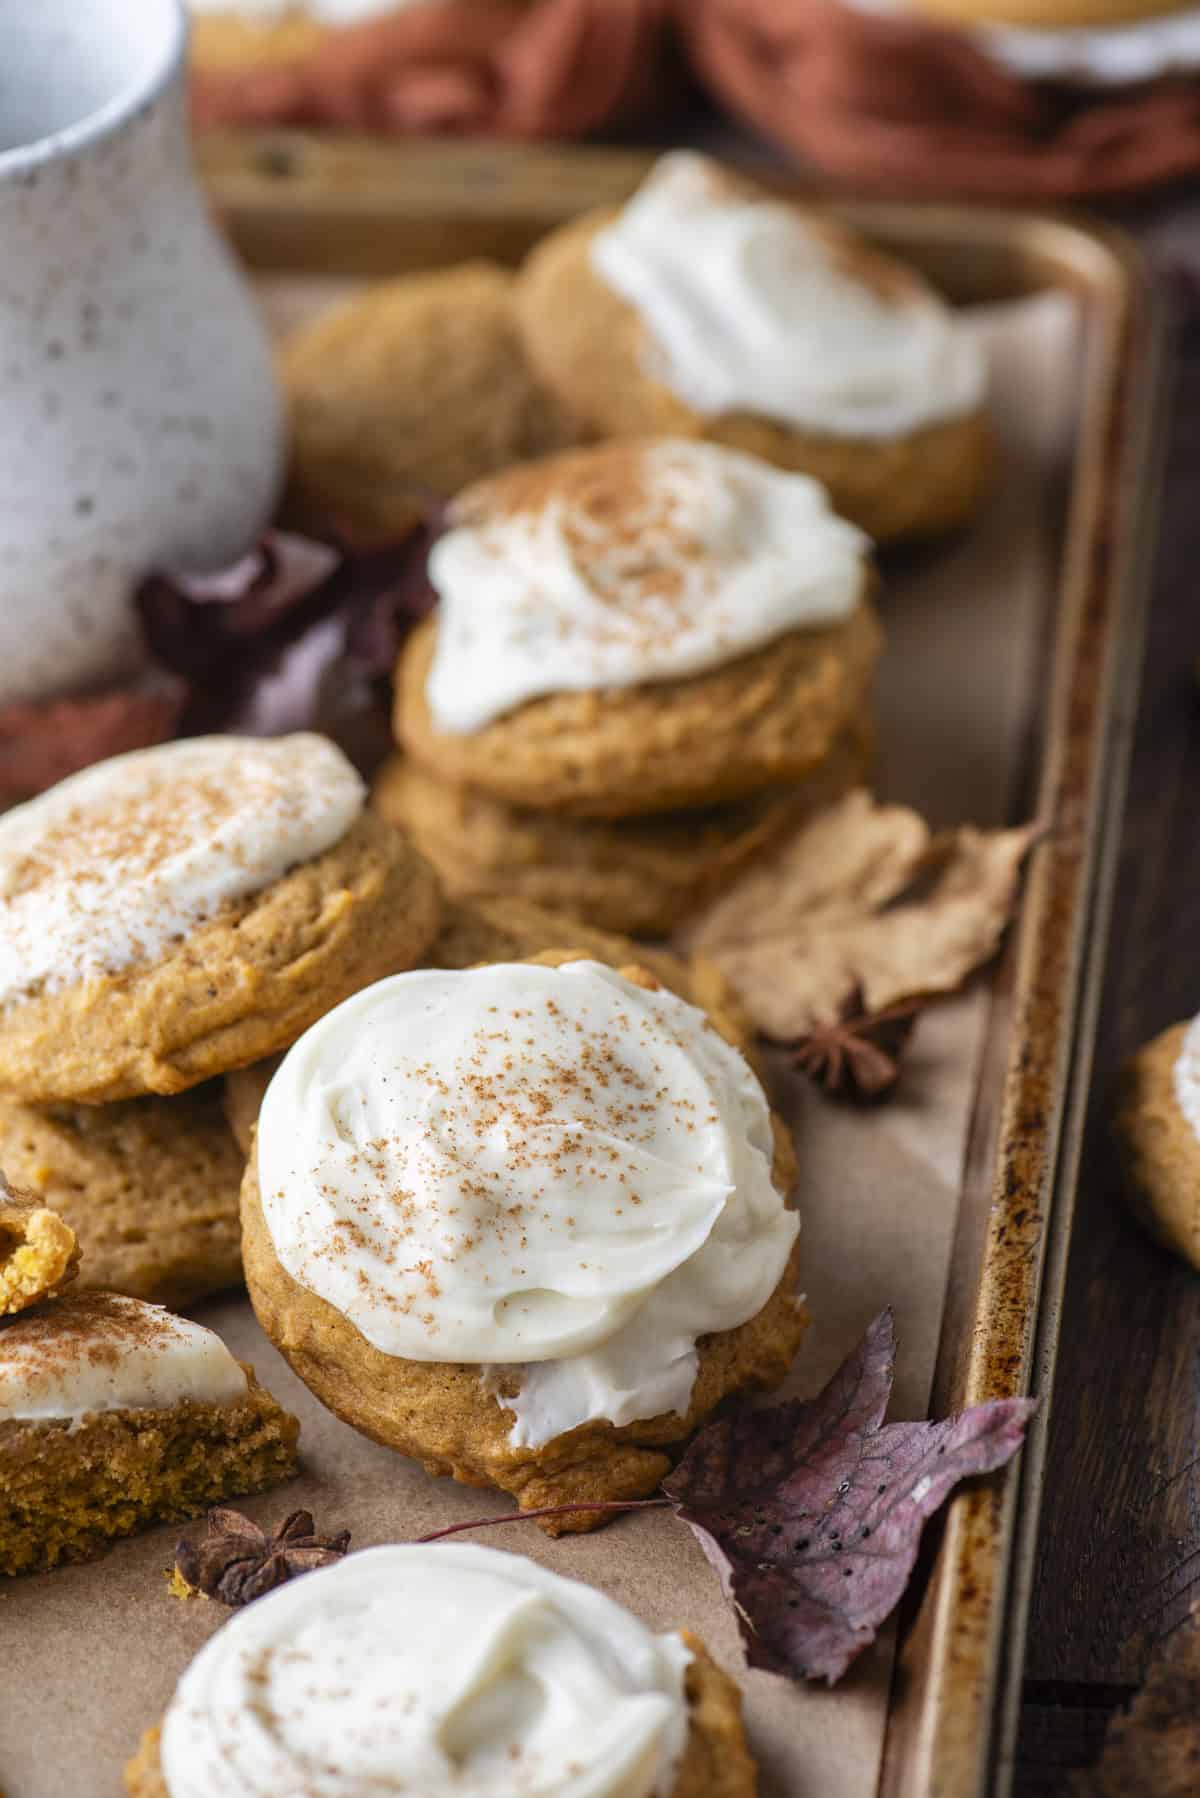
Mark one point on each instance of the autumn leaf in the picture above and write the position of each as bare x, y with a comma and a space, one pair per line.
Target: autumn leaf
863, 899
810, 1512
297, 634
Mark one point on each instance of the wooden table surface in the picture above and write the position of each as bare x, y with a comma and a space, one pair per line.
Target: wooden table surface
1119, 1556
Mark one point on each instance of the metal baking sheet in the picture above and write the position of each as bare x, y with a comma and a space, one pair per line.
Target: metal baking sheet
300, 206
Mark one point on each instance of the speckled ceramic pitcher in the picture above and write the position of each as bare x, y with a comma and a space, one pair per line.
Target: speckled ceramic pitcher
139, 422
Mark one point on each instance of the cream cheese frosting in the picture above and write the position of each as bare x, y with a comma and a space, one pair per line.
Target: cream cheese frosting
629, 563
115, 865
445, 1670
749, 306
325, 12
549, 1169
1187, 1076
100, 1352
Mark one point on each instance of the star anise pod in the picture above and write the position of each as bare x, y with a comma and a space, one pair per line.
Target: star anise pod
236, 1562
856, 1057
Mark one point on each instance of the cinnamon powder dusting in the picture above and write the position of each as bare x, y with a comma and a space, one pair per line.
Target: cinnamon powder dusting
94, 1330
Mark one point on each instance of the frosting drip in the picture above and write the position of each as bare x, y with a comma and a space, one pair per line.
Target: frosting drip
116, 864
750, 306
449, 1671
628, 563
100, 1352
552, 1170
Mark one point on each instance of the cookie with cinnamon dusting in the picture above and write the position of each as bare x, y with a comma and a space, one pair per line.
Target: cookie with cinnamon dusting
172, 914
453, 1417
591, 347
716, 1762
515, 930
638, 628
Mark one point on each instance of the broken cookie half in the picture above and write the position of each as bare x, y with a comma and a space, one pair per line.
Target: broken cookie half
38, 1251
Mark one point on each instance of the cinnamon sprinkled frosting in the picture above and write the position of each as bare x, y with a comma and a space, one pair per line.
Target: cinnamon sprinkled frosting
751, 304
114, 866
625, 563
100, 1352
552, 1170
445, 1671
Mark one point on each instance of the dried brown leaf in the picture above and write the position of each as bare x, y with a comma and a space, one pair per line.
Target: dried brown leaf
862, 897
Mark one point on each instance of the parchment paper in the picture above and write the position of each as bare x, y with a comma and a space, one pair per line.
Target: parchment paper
89, 1655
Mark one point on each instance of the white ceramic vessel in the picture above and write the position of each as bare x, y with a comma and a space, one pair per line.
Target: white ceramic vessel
140, 426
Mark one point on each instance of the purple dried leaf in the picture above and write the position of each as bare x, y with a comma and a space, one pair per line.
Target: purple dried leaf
811, 1513
296, 634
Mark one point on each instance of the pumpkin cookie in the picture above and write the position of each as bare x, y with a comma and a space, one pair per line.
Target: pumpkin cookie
149, 1187
622, 1713
514, 930
1158, 1119
525, 1223
115, 1415
410, 391
176, 912
643, 876
637, 628
39, 1254
710, 308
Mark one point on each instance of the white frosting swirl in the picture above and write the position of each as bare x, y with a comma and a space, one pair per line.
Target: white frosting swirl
448, 1671
116, 864
1186, 1074
629, 563
101, 1352
748, 307
545, 1168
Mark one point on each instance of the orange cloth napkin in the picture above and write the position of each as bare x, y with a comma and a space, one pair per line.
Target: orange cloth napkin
899, 103
500, 68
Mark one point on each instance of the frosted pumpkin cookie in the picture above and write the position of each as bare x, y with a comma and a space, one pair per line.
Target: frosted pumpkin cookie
115, 1415
1158, 1118
149, 1187
637, 628
707, 307
527, 1224
638, 875
39, 1254
411, 390
176, 912
436, 1705
514, 930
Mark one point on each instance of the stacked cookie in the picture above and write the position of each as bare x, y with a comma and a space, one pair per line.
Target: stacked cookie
649, 658
165, 917
707, 307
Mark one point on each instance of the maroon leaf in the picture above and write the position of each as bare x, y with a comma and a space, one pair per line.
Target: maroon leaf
297, 633
810, 1512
